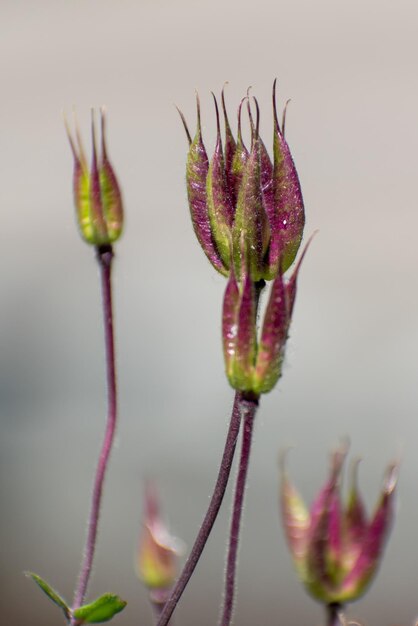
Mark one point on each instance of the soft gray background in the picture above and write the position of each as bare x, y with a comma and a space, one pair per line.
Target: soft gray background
351, 71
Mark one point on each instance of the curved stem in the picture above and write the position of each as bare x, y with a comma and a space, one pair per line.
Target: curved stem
248, 409
335, 614
211, 514
104, 257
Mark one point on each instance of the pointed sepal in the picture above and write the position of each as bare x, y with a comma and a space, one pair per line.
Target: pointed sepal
296, 518
374, 540
272, 255
230, 325
110, 191
355, 519
239, 328
238, 163
246, 341
290, 212
97, 224
229, 151
250, 217
220, 209
273, 338
196, 174
291, 286
320, 572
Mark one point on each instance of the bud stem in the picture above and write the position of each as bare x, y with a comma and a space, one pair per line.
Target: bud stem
158, 605
104, 258
335, 615
248, 409
212, 512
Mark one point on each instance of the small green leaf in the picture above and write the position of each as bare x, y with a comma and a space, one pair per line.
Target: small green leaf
51, 593
101, 610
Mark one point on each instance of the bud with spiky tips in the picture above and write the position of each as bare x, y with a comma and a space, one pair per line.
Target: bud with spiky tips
255, 365
97, 195
248, 215
158, 550
336, 549
241, 194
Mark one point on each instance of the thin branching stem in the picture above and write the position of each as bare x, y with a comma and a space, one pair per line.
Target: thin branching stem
211, 514
104, 257
248, 410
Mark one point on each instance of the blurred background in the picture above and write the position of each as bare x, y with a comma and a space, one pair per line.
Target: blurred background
350, 69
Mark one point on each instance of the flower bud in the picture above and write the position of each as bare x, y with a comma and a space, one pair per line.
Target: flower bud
252, 365
242, 194
337, 550
251, 223
196, 174
158, 550
97, 195
239, 332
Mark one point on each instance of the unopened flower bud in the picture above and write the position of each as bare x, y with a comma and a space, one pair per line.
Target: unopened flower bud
336, 549
97, 195
241, 192
256, 365
158, 550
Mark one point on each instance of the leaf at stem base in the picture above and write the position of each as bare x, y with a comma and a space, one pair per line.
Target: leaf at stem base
51, 593
100, 610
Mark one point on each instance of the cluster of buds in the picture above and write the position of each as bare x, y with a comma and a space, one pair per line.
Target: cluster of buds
97, 195
336, 549
158, 550
248, 216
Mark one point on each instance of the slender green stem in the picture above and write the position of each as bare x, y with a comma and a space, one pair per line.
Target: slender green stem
335, 614
248, 409
104, 257
211, 514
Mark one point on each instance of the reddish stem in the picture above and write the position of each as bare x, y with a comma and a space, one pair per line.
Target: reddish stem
335, 614
248, 408
104, 257
211, 514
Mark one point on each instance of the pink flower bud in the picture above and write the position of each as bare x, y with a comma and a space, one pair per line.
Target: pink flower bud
241, 194
254, 365
336, 549
158, 550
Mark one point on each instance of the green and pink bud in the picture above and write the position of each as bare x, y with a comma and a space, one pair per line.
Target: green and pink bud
158, 552
241, 194
255, 364
336, 548
97, 196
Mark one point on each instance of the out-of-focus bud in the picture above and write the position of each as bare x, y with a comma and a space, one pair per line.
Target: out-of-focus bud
240, 195
336, 549
97, 195
251, 365
158, 550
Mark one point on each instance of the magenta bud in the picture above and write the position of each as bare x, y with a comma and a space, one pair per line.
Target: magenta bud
196, 175
239, 332
287, 218
256, 365
250, 217
242, 194
336, 549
